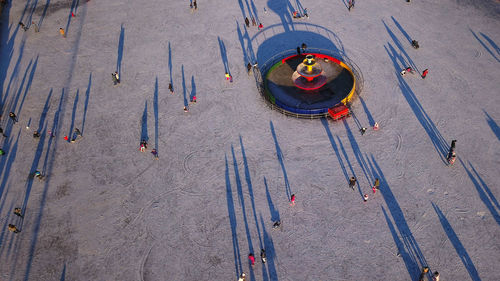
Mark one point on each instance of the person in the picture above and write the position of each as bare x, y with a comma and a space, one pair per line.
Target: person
253, 21
452, 148
229, 77
13, 116
249, 68
13, 228
23, 26
414, 43
193, 100
377, 183
424, 74
352, 182
263, 255
2, 152
1, 132
277, 224
260, 26
292, 199
305, 13
143, 146
186, 109
155, 153
304, 47
38, 175
298, 50
296, 15
436, 276
116, 77
251, 258
61, 31
18, 212
349, 5
403, 72
171, 88
247, 22
36, 26
423, 273
242, 277
362, 130
195, 5
365, 197
451, 158
36, 134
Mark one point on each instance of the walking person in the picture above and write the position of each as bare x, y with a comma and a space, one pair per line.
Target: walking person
424, 74
305, 13
251, 258
435, 276
155, 153
292, 200
62, 32
423, 273
247, 22
242, 277
2, 152
13, 116
116, 77
260, 26
263, 255
23, 26
13, 228
78, 133
452, 149
36, 134
171, 88
349, 5
35, 26
249, 68
253, 21
352, 182
195, 5
277, 224
18, 212
376, 185
1, 132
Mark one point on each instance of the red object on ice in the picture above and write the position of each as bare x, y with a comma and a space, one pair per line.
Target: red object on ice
66, 138
338, 112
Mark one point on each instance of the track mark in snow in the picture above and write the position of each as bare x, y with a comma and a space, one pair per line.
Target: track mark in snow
461, 211
143, 262
399, 141
478, 54
186, 159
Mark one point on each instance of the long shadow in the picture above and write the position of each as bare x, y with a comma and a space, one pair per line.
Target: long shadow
324, 121
223, 54
193, 89
6, 164
243, 209
493, 125
28, 85
254, 11
371, 121
405, 62
492, 43
144, 123
401, 29
432, 131
43, 14
120, 50
48, 167
44, 111
242, 43
63, 273
170, 64
33, 7
86, 104
248, 180
242, 8
459, 247
73, 5
412, 255
357, 152
184, 90
284, 9
13, 102
346, 157
275, 214
270, 252
73, 114
4, 234
279, 154
155, 107
232, 220
15, 70
485, 46
13, 77
484, 192
300, 8
6, 48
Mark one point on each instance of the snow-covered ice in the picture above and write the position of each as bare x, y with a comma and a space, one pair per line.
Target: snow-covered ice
227, 168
